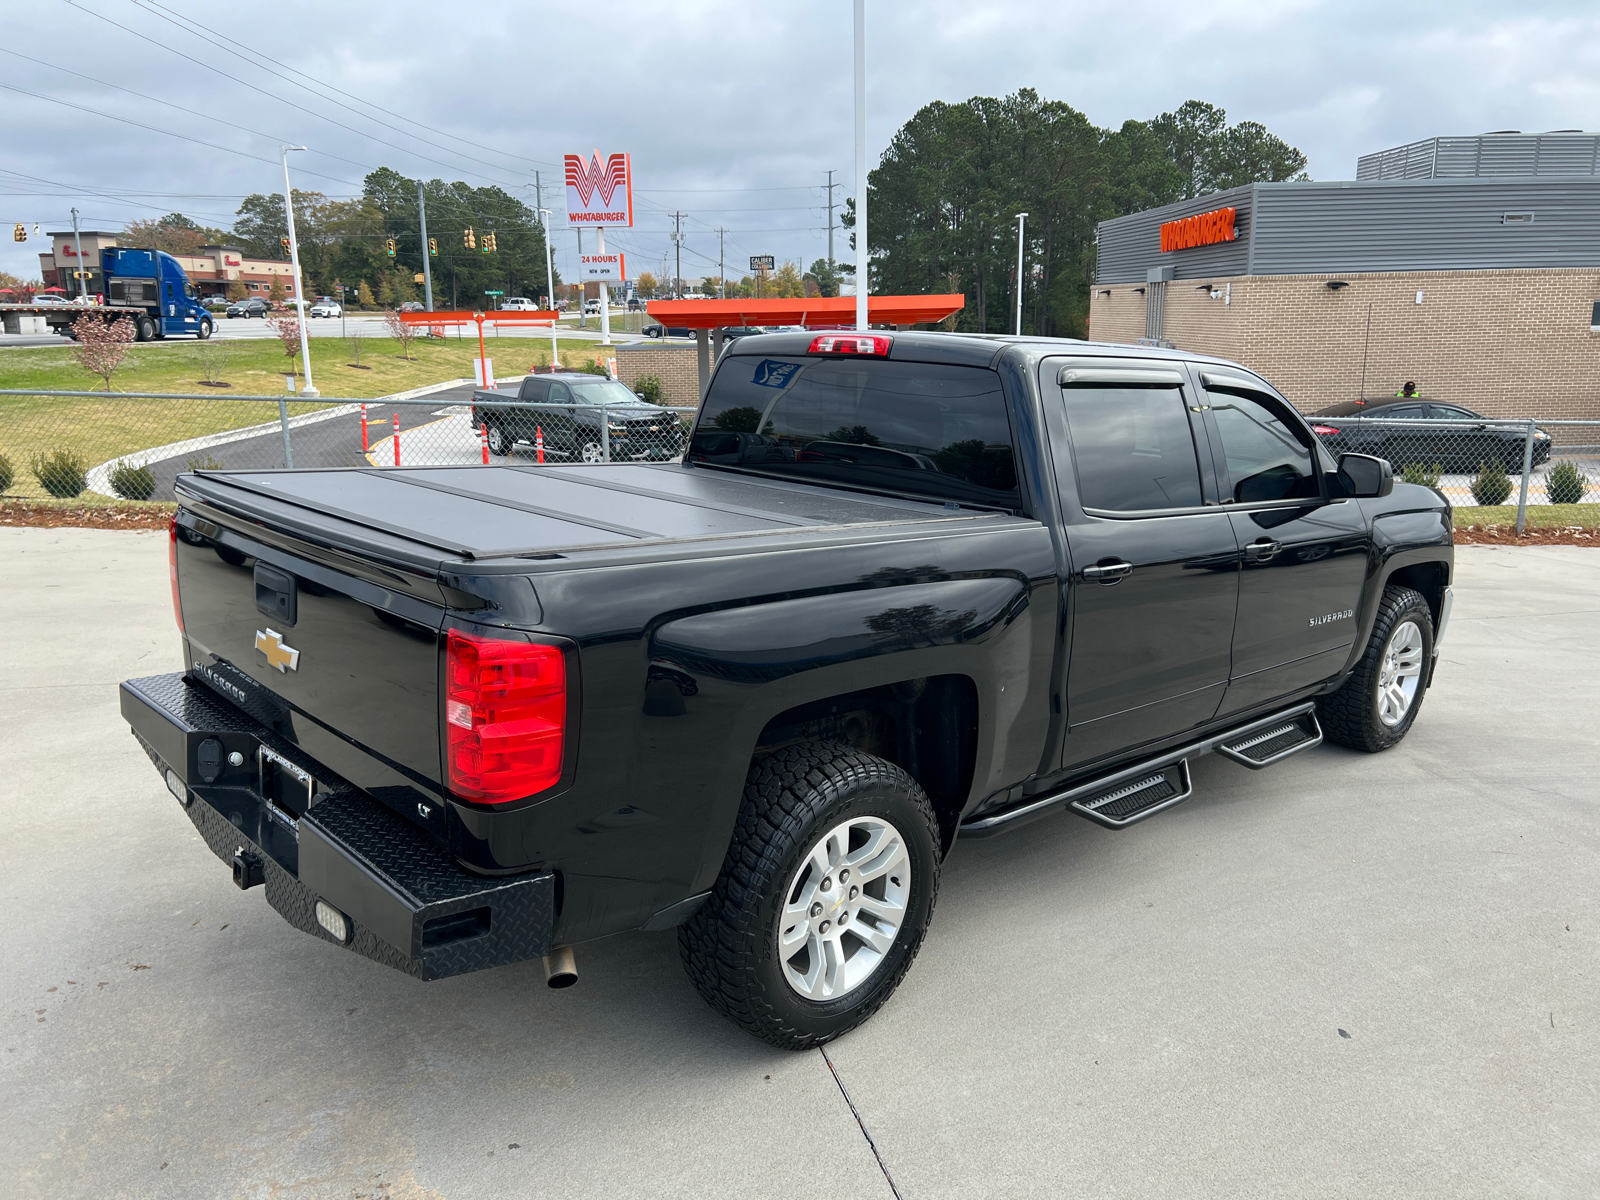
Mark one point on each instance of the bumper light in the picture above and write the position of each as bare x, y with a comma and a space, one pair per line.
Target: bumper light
175, 786
332, 920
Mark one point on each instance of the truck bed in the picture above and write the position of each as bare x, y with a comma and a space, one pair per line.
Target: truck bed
435, 518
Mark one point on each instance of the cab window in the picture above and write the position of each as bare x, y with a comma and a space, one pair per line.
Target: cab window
1132, 447
1266, 450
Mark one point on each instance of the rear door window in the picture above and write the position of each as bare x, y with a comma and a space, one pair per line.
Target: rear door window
1132, 447
1268, 454
921, 429
535, 390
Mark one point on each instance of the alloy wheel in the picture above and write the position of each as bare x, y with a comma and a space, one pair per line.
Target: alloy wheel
844, 908
1401, 673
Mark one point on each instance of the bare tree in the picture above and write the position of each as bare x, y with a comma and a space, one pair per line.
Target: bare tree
394, 322
287, 326
213, 359
101, 345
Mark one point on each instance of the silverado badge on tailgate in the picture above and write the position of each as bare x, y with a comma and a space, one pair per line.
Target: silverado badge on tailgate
280, 655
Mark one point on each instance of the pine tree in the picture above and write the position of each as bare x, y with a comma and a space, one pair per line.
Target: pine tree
276, 294
364, 296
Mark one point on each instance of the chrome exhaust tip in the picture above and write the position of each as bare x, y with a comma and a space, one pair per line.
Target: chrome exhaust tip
560, 967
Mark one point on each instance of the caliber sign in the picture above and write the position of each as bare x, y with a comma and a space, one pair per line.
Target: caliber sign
613, 268
1203, 229
599, 190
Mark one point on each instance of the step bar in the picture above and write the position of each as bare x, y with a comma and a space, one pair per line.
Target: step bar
1114, 800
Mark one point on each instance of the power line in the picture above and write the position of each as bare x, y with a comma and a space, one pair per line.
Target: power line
321, 83
169, 133
298, 107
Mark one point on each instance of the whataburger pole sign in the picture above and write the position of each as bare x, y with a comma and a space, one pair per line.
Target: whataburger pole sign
1203, 229
599, 191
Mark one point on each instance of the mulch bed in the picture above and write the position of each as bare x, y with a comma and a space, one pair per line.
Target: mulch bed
1506, 535
107, 516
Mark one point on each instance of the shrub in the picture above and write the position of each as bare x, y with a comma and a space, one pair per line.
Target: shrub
1492, 484
1565, 484
1426, 476
8, 473
132, 483
595, 367
196, 463
62, 473
650, 388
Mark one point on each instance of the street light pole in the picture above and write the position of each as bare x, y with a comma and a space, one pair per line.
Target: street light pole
861, 163
427, 266
550, 281
83, 284
1022, 220
722, 266
294, 261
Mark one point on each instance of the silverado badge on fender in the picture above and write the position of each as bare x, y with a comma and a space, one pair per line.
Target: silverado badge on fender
284, 657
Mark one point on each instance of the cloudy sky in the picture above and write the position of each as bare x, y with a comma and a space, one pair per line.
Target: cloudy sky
733, 112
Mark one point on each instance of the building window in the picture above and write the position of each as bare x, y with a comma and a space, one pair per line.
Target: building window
1594, 318
1516, 218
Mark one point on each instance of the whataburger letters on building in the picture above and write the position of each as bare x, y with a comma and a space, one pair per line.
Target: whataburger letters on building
1202, 229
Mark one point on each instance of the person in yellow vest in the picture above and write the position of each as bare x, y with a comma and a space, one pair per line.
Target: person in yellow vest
1408, 392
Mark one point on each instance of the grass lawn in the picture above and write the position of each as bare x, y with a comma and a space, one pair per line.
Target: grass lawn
99, 429
1540, 516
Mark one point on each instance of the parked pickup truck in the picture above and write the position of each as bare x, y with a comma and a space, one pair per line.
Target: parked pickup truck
560, 415
934, 587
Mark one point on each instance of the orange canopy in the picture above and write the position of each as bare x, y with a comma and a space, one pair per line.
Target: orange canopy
814, 311
503, 316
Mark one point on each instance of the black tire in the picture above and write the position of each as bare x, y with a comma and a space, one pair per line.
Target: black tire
204, 331
792, 799
1350, 716
144, 329
499, 443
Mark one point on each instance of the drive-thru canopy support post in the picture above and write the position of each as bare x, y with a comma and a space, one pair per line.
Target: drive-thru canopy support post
439, 321
708, 318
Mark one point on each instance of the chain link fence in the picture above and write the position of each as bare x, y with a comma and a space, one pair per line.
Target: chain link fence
132, 446
1480, 462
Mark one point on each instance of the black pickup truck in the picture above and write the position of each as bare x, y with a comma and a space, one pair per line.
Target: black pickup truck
576, 417
904, 589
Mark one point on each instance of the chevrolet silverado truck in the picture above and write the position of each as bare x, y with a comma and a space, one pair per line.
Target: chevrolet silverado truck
902, 590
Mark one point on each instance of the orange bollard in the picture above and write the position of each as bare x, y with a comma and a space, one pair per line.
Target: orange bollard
397, 439
538, 441
364, 447
484, 430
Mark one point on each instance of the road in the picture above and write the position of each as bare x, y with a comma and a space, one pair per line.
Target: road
1346, 977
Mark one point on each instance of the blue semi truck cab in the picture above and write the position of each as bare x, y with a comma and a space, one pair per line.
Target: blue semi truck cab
150, 286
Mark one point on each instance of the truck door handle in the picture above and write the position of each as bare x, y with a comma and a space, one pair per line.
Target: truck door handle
1107, 570
1262, 550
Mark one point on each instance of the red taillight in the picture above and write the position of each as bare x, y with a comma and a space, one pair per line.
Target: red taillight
505, 716
172, 568
849, 343
1323, 430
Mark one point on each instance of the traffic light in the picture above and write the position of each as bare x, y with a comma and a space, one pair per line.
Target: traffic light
19, 234
469, 239
489, 246
433, 247
285, 242
390, 245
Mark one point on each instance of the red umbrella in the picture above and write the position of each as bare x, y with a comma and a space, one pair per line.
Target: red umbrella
53, 289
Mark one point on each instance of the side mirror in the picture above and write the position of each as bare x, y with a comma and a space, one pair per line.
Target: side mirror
1364, 475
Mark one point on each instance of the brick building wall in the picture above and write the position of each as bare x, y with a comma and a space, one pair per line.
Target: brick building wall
674, 363
1510, 343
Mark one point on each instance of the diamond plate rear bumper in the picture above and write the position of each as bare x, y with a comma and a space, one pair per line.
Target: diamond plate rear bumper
409, 905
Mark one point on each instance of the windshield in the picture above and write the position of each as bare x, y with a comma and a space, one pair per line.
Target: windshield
934, 430
602, 391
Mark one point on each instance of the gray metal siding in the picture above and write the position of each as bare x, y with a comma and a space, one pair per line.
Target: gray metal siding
1389, 225
1486, 155
1425, 225
1129, 246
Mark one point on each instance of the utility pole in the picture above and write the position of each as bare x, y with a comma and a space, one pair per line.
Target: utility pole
294, 259
427, 265
861, 163
677, 241
831, 186
722, 267
544, 224
83, 284
1022, 220
550, 275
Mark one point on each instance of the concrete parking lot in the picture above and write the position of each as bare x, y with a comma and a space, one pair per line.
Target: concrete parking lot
1348, 976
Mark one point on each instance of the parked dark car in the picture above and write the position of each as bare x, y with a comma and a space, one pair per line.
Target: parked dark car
734, 332
906, 590
250, 306
657, 331
1447, 435
570, 427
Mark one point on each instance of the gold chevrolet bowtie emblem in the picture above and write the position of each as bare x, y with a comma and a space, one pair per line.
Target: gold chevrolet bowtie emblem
284, 657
